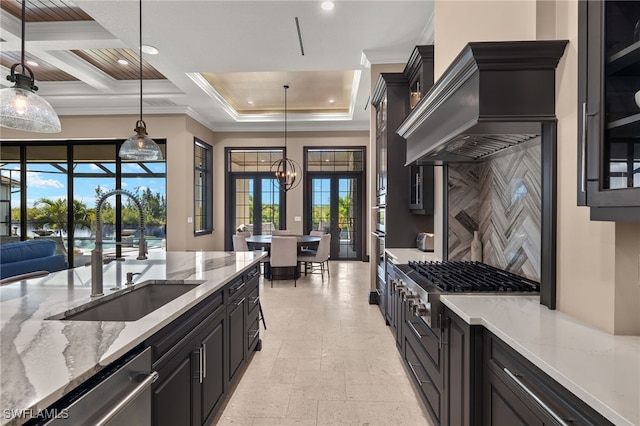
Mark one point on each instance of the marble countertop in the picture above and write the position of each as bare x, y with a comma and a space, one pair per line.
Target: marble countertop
41, 360
403, 255
601, 369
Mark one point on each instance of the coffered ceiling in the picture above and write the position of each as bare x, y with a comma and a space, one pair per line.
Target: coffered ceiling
222, 62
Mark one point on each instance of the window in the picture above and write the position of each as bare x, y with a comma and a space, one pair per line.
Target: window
203, 209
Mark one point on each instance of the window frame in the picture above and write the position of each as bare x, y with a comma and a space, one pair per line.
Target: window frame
206, 204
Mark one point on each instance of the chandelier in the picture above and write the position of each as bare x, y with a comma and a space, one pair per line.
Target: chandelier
285, 169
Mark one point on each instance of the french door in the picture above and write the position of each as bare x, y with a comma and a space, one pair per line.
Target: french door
334, 206
255, 205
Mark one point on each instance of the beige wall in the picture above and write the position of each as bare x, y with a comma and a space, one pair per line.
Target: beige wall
179, 131
296, 142
597, 262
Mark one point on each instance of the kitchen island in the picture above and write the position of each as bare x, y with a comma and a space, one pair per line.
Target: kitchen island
43, 359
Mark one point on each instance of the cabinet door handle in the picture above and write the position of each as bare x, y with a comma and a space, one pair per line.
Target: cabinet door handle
144, 384
415, 331
413, 371
256, 300
241, 301
200, 366
204, 360
583, 160
254, 335
529, 392
418, 188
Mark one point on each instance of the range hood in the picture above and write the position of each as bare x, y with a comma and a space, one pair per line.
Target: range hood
493, 96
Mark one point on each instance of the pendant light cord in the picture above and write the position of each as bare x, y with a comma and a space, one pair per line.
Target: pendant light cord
285, 119
140, 57
24, 14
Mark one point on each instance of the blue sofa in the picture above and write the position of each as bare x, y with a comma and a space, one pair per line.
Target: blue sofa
29, 256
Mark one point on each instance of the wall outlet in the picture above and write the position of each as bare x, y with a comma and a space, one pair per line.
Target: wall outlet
297, 218
189, 219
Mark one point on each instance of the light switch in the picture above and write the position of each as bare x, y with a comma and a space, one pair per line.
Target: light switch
189, 219
297, 218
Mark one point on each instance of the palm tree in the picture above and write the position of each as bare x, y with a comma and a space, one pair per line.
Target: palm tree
54, 213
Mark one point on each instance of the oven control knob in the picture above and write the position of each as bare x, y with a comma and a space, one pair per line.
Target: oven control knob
421, 310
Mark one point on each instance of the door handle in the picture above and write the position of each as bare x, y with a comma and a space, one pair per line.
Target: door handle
144, 384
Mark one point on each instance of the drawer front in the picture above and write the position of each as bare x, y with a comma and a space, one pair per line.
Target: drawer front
253, 331
253, 299
430, 392
429, 343
535, 388
253, 272
184, 326
235, 289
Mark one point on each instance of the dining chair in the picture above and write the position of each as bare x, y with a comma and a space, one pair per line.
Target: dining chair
244, 233
284, 253
240, 243
318, 259
281, 232
316, 233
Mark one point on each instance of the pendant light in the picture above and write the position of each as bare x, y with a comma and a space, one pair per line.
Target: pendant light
140, 147
20, 107
285, 169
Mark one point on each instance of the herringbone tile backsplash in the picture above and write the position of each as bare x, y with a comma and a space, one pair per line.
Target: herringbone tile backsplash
501, 198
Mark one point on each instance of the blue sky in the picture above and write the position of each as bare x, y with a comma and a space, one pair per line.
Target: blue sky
47, 181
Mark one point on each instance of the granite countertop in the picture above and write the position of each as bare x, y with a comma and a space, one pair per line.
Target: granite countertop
41, 360
403, 255
601, 369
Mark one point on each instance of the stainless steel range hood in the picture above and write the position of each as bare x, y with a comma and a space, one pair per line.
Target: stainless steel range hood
493, 96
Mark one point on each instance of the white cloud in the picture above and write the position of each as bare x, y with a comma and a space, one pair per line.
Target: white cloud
35, 180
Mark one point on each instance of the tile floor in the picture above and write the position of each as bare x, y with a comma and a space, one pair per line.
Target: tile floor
327, 359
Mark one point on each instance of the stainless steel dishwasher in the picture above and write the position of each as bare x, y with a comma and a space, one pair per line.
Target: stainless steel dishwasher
121, 395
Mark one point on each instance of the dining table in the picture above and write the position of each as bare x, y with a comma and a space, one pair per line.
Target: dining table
263, 242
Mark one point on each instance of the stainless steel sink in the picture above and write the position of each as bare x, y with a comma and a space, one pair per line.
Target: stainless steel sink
129, 304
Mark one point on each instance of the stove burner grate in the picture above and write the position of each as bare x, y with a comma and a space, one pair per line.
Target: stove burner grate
472, 277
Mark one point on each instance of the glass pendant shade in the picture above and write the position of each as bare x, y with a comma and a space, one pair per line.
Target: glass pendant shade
24, 110
140, 147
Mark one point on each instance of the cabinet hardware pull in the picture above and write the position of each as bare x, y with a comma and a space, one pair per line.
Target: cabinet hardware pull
144, 384
415, 331
255, 333
238, 288
256, 300
583, 160
418, 188
440, 340
416, 374
204, 360
528, 391
241, 301
200, 362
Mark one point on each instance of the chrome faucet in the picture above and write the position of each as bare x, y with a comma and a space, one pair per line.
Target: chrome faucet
96, 254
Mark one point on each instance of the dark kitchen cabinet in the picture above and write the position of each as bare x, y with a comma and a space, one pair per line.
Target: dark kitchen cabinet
609, 116
422, 351
462, 371
421, 190
391, 100
200, 355
517, 392
191, 383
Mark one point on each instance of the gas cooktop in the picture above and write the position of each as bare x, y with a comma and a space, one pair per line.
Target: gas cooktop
472, 277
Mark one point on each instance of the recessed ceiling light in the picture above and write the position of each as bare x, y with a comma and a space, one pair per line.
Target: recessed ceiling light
250, 102
332, 101
32, 63
149, 50
327, 5
123, 62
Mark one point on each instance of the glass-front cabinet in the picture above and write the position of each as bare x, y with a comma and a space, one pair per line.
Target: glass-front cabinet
609, 109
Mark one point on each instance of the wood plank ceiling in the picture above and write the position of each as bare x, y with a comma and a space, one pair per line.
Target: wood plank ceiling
106, 60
